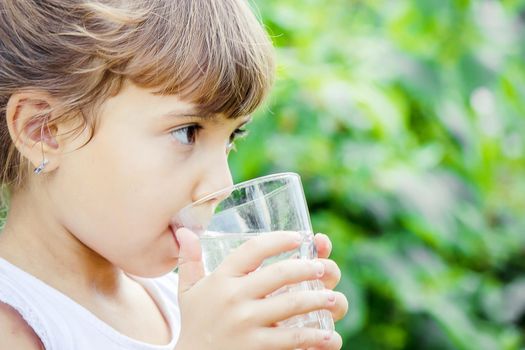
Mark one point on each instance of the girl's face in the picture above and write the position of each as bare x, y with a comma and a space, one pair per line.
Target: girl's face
149, 157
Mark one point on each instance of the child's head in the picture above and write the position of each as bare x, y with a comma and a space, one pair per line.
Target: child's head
133, 104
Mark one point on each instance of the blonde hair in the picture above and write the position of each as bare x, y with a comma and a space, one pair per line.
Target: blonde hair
213, 53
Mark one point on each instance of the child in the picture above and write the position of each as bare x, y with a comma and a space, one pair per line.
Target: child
115, 115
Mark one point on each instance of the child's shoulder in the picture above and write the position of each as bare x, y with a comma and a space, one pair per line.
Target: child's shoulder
15, 332
23, 304
20, 326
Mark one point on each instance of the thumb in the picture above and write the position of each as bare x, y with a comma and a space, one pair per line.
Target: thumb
191, 268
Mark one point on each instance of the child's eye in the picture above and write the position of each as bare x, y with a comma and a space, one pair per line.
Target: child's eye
187, 134
237, 134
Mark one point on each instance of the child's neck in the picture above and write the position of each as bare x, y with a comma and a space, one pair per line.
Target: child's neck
37, 243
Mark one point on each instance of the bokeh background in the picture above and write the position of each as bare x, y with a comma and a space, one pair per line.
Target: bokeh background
406, 121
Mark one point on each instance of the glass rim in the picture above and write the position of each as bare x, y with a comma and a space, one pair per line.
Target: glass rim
240, 185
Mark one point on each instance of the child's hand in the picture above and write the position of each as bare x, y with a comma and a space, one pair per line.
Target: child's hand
228, 310
332, 275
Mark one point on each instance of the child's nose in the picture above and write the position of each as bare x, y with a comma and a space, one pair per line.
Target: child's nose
215, 179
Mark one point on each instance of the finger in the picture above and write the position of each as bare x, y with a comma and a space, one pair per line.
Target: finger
270, 278
299, 338
340, 307
191, 268
250, 255
283, 306
332, 273
323, 245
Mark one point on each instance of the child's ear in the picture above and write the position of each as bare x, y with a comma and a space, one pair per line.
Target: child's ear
28, 116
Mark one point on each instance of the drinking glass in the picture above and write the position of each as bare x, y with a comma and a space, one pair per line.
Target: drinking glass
225, 219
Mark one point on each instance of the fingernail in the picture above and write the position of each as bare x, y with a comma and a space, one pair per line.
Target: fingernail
319, 268
330, 246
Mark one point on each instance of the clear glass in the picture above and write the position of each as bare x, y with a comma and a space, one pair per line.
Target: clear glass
226, 219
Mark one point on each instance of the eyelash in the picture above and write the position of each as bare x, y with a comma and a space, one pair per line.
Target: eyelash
195, 128
237, 134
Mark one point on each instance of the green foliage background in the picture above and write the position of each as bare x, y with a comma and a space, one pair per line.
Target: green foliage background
405, 119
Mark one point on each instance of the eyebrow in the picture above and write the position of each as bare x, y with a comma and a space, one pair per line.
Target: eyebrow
190, 113
194, 114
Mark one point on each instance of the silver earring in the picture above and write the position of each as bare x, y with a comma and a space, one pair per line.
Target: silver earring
41, 167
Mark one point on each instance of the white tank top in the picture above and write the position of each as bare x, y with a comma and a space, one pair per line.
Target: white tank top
63, 324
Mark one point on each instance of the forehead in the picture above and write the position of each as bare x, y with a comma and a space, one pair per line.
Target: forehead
147, 105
